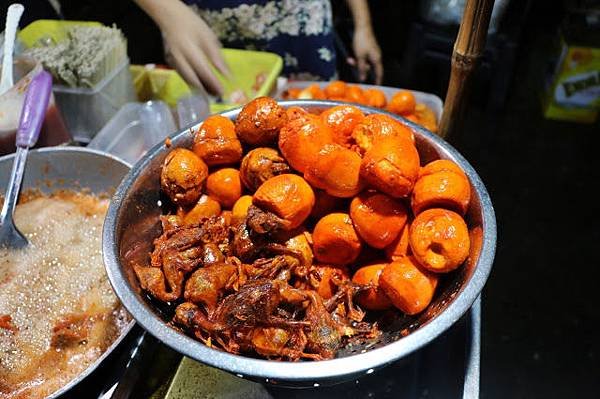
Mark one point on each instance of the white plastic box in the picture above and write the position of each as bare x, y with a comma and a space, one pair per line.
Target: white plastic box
86, 111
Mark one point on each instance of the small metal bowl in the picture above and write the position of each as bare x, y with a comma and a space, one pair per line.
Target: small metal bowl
132, 223
71, 168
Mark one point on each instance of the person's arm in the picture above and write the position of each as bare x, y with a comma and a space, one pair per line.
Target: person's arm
190, 45
364, 43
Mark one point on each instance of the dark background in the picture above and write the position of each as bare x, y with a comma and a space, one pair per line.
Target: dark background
540, 308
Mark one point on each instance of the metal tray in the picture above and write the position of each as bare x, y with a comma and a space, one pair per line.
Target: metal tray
430, 100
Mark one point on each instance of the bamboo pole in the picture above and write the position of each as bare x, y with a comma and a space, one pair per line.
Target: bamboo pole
468, 49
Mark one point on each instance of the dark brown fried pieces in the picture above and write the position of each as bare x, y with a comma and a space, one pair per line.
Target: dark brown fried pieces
177, 252
267, 305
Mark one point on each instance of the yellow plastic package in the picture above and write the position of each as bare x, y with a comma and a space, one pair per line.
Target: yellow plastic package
572, 90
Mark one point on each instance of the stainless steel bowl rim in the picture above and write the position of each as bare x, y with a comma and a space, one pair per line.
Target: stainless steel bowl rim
92, 367
272, 371
69, 148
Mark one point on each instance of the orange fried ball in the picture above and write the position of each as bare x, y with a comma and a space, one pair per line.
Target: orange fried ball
336, 89
402, 102
295, 112
342, 119
259, 165
259, 121
216, 143
225, 186
355, 94
335, 240
378, 218
441, 184
399, 247
336, 170
374, 298
409, 287
377, 127
439, 239
426, 117
182, 175
287, 196
205, 208
291, 93
240, 209
302, 138
391, 166
312, 92
325, 279
375, 98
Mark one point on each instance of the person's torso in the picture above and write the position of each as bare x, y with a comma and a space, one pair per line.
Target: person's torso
300, 31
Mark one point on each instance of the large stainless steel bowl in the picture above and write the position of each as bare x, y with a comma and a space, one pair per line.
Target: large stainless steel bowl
71, 168
132, 224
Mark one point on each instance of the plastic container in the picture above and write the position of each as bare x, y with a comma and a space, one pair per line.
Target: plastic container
134, 129
85, 110
53, 131
192, 109
157, 82
430, 100
253, 72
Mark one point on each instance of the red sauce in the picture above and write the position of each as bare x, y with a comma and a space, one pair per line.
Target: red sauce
53, 132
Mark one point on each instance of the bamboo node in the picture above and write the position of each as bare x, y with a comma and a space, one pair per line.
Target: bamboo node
464, 61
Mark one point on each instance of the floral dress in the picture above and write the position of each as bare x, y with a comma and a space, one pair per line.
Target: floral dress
300, 31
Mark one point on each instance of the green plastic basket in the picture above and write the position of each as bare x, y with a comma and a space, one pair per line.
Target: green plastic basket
245, 66
161, 83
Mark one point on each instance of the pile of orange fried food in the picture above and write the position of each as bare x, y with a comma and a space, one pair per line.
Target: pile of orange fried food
291, 232
401, 103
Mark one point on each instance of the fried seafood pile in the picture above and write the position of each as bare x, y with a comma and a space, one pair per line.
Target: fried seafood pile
287, 227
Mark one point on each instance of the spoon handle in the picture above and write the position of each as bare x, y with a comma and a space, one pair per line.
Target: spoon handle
14, 184
32, 116
13, 16
34, 109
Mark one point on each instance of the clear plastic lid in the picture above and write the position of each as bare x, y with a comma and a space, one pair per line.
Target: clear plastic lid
192, 109
134, 129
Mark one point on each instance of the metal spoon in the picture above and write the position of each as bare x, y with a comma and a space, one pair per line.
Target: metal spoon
13, 16
32, 116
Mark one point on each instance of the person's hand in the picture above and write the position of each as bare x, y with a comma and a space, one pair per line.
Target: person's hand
367, 53
191, 46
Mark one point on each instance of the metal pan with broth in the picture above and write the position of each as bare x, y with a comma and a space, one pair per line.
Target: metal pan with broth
59, 317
